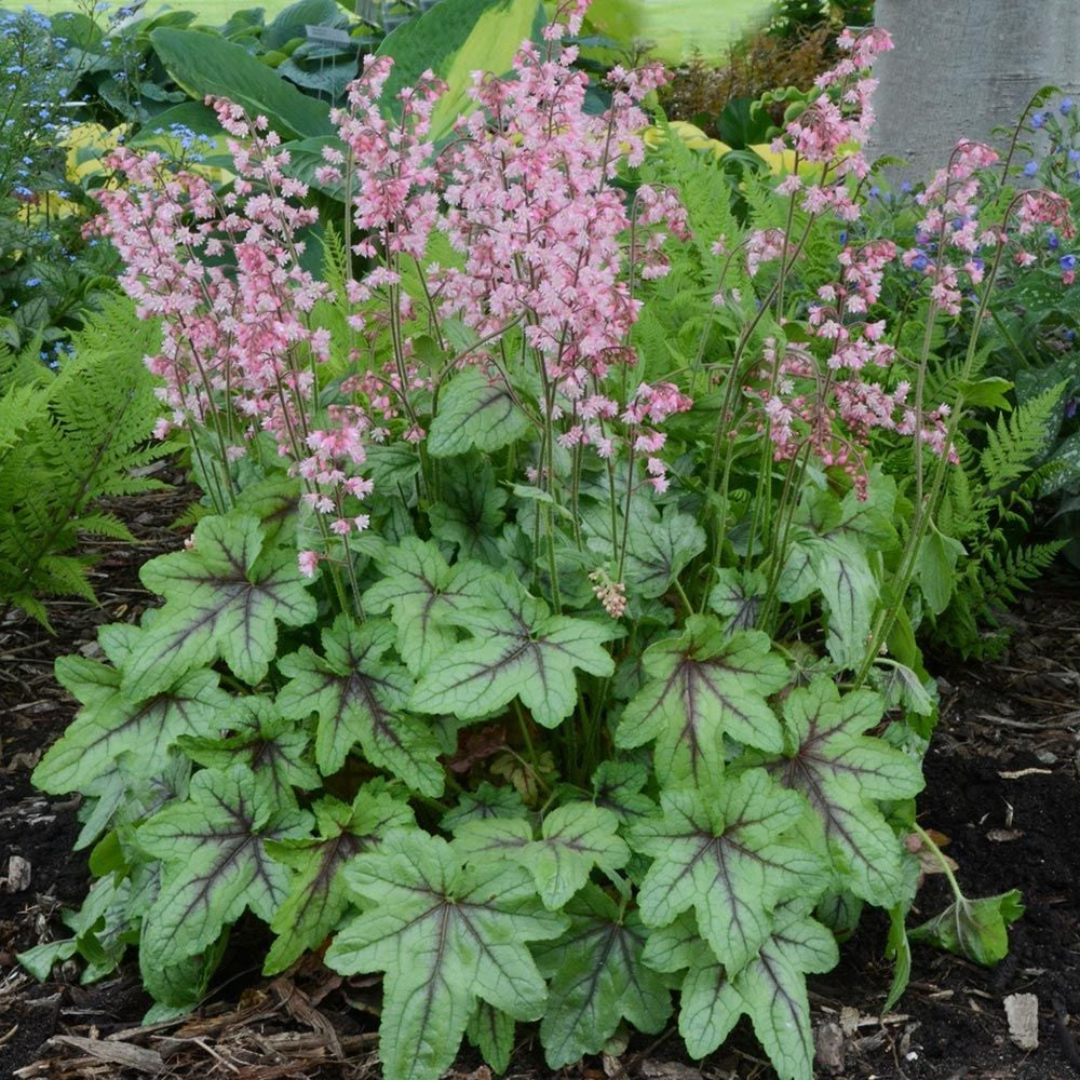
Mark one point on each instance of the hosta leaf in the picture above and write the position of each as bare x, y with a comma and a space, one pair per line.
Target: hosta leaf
842, 771
223, 601
520, 651
317, 897
109, 726
360, 697
422, 591
659, 545
266, 743
574, 839
724, 850
475, 412
215, 864
703, 685
446, 934
597, 979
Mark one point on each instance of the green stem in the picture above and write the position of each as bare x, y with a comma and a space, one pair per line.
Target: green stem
928, 842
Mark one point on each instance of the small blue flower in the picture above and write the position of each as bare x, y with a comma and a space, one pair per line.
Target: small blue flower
1070, 335
1052, 241
1066, 106
1038, 120
874, 192
1068, 262
905, 186
843, 236
1070, 408
33, 283
1074, 156
1031, 168
920, 263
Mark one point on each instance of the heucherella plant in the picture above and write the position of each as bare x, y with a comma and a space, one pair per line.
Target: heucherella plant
546, 641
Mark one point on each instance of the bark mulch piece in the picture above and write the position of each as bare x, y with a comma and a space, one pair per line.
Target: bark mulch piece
1002, 786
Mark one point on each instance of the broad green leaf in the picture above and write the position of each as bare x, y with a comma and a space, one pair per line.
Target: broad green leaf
617, 787
475, 412
446, 934
109, 726
359, 696
422, 591
841, 770
455, 39
659, 545
975, 929
204, 63
264, 741
223, 601
471, 514
736, 597
574, 838
317, 897
597, 980
935, 568
725, 852
521, 651
702, 686
215, 864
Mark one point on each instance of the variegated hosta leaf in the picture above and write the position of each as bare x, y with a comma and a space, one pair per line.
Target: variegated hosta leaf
266, 743
317, 898
725, 851
223, 600
842, 771
574, 839
519, 650
359, 696
215, 865
771, 988
704, 685
446, 933
597, 979
422, 590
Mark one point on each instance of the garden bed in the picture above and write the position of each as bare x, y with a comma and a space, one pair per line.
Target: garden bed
1002, 785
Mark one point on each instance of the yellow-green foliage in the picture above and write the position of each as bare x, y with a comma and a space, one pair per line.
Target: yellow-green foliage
67, 441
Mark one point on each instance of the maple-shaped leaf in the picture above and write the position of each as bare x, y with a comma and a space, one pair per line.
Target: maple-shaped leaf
422, 590
617, 786
266, 742
214, 862
702, 686
841, 770
445, 933
317, 897
111, 729
520, 650
977, 929
770, 988
487, 801
574, 838
476, 412
725, 851
597, 979
223, 600
359, 697
737, 596
660, 544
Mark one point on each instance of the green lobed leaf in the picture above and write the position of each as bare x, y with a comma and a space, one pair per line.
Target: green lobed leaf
359, 697
475, 413
317, 898
224, 599
975, 929
726, 851
574, 838
423, 592
215, 865
841, 770
598, 979
492, 1031
520, 651
445, 933
704, 685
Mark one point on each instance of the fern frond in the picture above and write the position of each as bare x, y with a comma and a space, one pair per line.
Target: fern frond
1014, 442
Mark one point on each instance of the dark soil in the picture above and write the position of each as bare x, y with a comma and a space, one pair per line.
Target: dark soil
1002, 786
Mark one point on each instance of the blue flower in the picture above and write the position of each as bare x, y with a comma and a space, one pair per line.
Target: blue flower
1068, 262
843, 236
1066, 106
1038, 120
33, 283
920, 263
1031, 168
1052, 241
